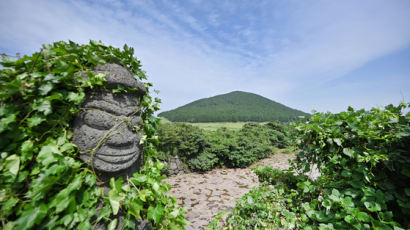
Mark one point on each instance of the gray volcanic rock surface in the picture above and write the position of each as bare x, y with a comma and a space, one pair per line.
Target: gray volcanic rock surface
118, 75
104, 129
204, 195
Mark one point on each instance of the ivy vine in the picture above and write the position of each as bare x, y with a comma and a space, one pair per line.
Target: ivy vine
363, 157
43, 183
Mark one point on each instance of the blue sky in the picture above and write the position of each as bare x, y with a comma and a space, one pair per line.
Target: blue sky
310, 55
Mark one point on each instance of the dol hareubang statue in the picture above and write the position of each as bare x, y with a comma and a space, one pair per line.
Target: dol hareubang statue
108, 127
108, 130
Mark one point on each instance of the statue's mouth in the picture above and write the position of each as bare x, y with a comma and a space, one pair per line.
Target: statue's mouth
116, 154
118, 151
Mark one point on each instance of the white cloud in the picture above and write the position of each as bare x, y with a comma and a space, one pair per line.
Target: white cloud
280, 53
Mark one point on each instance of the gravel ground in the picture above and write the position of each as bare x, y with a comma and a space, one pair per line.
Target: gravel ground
204, 195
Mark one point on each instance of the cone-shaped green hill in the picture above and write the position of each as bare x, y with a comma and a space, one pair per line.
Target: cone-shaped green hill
232, 107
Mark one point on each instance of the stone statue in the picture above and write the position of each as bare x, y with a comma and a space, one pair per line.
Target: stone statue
108, 129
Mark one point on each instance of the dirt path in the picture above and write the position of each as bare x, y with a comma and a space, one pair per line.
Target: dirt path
204, 195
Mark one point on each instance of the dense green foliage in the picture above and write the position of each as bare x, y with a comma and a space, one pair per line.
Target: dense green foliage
204, 150
364, 160
213, 126
233, 107
43, 184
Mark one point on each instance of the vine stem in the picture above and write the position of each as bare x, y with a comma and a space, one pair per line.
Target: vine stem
35, 61
133, 185
106, 135
27, 116
45, 60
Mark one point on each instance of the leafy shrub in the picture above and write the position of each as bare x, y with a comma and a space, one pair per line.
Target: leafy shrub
43, 184
181, 139
204, 162
204, 150
223, 143
269, 175
363, 157
366, 156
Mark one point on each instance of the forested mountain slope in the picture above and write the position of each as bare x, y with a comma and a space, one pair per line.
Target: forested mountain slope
234, 106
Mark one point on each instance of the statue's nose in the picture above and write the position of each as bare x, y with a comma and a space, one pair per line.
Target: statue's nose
122, 135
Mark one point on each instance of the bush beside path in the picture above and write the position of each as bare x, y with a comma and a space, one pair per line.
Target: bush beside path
204, 195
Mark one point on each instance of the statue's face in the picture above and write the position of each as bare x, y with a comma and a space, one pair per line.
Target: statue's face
104, 131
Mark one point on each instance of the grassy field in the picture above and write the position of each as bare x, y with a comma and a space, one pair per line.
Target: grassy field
212, 126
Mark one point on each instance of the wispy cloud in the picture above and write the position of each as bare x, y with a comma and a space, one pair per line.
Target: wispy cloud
288, 51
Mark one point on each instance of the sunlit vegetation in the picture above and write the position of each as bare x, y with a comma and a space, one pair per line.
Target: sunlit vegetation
43, 184
364, 160
203, 150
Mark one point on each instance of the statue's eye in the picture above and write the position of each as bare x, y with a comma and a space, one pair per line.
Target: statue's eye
99, 119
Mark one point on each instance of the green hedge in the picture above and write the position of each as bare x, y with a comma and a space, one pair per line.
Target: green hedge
204, 150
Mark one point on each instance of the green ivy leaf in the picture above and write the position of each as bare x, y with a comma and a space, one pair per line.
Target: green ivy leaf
67, 147
337, 141
4, 122
45, 89
126, 188
51, 78
348, 152
378, 225
116, 184
335, 196
362, 216
65, 196
249, 200
349, 219
137, 178
174, 213
347, 202
12, 164
129, 223
27, 146
135, 208
84, 225
48, 154
77, 98
346, 173
155, 213
63, 203
155, 187
351, 192
143, 194
35, 120
407, 191
31, 216
9, 205
119, 89
113, 224
44, 106
373, 206
115, 199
